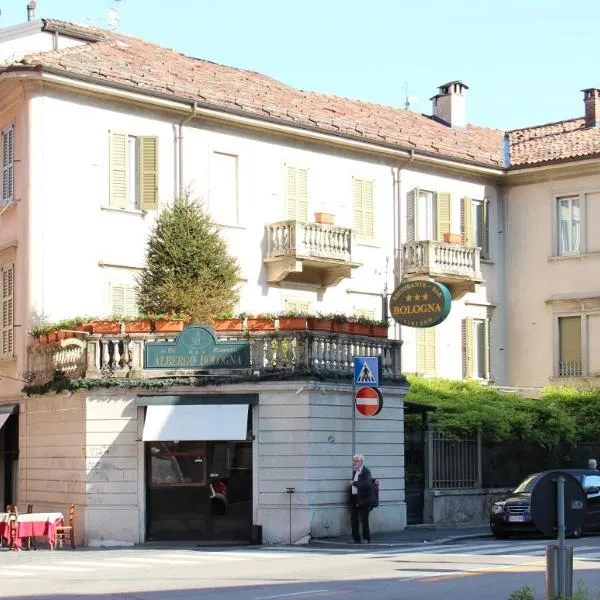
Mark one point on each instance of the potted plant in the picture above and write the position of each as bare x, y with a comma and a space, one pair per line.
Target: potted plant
229, 322
341, 323
40, 333
292, 320
380, 329
167, 323
361, 325
319, 322
261, 322
141, 324
325, 218
453, 238
109, 325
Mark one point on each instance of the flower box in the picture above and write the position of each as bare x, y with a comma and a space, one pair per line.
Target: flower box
260, 324
360, 329
380, 331
292, 323
453, 238
41, 339
85, 327
168, 325
52, 337
343, 327
228, 325
106, 327
317, 324
138, 326
325, 218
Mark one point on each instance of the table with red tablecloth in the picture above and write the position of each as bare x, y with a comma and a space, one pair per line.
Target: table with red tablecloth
31, 525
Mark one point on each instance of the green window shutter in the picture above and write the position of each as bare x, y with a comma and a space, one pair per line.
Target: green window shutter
363, 209
467, 343
296, 194
466, 221
487, 348
444, 214
485, 250
411, 200
427, 352
7, 274
118, 161
148, 172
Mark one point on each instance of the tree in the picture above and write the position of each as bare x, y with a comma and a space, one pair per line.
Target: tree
188, 268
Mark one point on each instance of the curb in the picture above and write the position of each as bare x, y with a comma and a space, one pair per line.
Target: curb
443, 540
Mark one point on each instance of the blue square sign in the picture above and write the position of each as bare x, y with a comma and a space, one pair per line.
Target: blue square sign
366, 371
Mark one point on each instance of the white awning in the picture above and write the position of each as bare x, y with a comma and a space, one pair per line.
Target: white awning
3, 419
195, 422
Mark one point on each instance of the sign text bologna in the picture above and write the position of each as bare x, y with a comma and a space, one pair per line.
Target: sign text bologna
420, 303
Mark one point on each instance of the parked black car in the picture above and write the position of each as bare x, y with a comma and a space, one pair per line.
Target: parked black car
513, 513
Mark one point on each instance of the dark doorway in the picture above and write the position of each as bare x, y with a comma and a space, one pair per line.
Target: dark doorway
199, 490
415, 423
9, 455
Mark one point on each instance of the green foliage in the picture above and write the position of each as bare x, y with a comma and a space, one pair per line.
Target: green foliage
67, 324
581, 406
188, 269
524, 593
463, 407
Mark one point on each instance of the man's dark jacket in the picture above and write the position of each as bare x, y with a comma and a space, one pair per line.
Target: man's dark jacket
365, 488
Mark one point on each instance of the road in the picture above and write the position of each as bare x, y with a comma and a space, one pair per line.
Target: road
474, 569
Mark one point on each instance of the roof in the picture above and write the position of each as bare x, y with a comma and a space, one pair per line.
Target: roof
110, 58
136, 64
553, 142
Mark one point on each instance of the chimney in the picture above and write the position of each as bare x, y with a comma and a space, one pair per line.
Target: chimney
31, 10
450, 104
591, 99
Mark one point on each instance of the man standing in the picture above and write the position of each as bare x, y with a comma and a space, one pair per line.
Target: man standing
360, 498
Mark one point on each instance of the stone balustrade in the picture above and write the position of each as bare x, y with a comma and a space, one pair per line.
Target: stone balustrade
122, 355
440, 259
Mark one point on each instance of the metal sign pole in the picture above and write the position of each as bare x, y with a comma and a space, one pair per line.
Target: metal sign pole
560, 509
353, 420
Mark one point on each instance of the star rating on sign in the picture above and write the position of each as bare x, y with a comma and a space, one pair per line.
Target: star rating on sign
408, 298
425, 297
417, 297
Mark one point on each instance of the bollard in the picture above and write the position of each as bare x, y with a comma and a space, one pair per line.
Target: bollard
552, 574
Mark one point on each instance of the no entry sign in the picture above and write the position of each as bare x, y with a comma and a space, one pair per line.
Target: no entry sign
369, 401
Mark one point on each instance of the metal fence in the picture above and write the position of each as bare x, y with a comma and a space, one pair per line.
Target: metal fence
454, 461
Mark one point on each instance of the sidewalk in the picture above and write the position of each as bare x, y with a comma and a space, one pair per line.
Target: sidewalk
413, 535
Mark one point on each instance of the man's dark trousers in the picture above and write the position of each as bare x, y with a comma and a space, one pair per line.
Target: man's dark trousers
363, 513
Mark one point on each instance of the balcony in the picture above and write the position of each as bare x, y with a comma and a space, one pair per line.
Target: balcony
121, 356
312, 253
454, 265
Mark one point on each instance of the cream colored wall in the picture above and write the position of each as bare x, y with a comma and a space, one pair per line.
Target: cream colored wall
534, 274
51, 459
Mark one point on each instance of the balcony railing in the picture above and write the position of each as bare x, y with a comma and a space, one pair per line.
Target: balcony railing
296, 247
122, 355
570, 368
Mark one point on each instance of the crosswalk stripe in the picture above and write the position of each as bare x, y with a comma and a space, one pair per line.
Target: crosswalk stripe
53, 568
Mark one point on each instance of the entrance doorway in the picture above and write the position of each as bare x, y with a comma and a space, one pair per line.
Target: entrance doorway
199, 490
9, 454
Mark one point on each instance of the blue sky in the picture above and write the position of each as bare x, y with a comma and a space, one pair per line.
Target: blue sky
525, 61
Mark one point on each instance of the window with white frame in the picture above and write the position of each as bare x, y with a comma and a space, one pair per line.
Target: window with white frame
224, 200
297, 305
569, 225
476, 348
425, 217
123, 300
570, 351
429, 215
8, 165
7, 297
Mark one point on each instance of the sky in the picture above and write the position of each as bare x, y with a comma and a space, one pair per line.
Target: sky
525, 61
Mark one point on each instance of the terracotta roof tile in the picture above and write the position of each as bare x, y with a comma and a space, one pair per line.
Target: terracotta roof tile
129, 61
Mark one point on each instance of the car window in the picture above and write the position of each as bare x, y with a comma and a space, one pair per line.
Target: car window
591, 481
527, 485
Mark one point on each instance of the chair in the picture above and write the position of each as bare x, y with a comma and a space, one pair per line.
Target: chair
67, 531
30, 542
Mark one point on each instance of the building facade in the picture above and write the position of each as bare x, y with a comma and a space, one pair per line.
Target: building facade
327, 203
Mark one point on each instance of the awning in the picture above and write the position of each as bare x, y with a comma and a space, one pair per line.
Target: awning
3, 419
5, 411
195, 422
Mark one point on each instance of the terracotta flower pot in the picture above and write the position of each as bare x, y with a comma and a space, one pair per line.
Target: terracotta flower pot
106, 327
453, 238
316, 324
292, 323
52, 337
360, 329
345, 327
325, 218
138, 326
41, 339
168, 325
379, 331
228, 325
85, 327
260, 324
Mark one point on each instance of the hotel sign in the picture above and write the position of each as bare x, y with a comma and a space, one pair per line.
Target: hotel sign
197, 348
420, 303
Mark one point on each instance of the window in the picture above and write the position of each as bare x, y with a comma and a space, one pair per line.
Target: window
569, 347
224, 189
133, 172
476, 348
363, 217
8, 165
569, 225
7, 286
429, 215
475, 225
123, 300
427, 352
297, 305
365, 313
296, 194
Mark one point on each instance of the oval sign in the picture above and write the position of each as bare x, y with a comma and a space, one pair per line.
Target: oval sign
420, 303
369, 401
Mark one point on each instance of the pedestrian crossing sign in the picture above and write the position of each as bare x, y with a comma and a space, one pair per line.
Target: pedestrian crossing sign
366, 371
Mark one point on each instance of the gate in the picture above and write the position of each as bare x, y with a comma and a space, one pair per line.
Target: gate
414, 462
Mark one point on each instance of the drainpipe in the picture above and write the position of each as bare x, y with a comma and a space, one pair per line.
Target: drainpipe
179, 142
